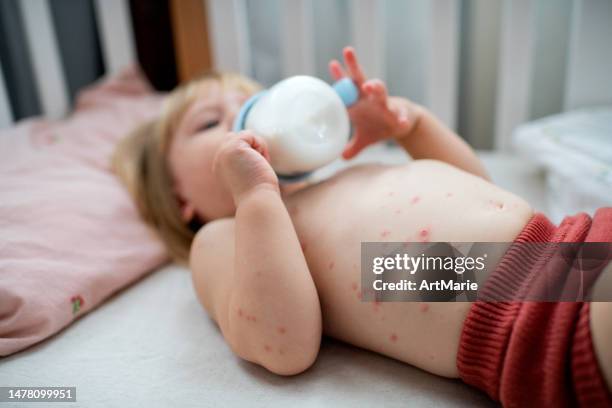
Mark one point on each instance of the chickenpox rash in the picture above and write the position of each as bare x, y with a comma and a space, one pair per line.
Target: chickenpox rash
281, 330
398, 211
354, 286
267, 348
391, 193
415, 200
424, 307
304, 246
424, 234
251, 318
281, 352
360, 295
496, 204
385, 233
449, 195
331, 265
239, 312
393, 338
375, 306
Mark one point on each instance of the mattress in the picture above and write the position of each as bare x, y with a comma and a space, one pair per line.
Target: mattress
153, 345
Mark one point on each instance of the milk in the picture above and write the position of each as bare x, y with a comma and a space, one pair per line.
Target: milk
304, 121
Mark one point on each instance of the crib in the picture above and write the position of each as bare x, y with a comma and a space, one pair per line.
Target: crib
483, 67
476, 64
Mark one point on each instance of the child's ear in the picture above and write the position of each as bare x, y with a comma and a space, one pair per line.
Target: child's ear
187, 209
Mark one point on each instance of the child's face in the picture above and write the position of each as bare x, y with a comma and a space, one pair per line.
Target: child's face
202, 129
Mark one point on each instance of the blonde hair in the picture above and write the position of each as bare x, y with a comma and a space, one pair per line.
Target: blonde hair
140, 162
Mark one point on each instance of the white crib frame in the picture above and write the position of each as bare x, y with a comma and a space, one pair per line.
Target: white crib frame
227, 21
117, 46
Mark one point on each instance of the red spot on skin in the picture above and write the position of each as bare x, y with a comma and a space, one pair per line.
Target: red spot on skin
251, 318
354, 286
424, 235
449, 195
415, 200
267, 348
304, 246
390, 193
360, 295
385, 233
376, 306
281, 352
382, 318
424, 307
431, 357
393, 338
496, 204
398, 211
281, 330
331, 265
240, 312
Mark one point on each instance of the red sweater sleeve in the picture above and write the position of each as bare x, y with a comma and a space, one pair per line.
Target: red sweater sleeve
536, 353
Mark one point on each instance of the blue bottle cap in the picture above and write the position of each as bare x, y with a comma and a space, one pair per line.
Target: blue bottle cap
240, 120
346, 89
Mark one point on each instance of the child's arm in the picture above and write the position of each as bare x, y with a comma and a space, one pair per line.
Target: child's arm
377, 117
252, 275
431, 139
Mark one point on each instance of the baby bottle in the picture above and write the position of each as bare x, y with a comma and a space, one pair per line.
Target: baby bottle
304, 122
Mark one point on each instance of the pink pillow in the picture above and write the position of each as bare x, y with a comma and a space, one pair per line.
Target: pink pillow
70, 235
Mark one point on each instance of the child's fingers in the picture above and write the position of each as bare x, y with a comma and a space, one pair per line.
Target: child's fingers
336, 70
354, 69
354, 146
376, 88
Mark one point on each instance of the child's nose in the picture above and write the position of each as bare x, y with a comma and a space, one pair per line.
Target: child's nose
234, 109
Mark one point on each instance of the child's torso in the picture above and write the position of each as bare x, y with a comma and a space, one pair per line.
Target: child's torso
425, 201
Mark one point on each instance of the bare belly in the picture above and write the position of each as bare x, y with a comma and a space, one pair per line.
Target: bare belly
422, 201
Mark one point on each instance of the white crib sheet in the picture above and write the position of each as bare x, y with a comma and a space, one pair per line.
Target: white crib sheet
153, 345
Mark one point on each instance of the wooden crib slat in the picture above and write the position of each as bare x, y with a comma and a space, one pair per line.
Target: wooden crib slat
515, 66
45, 57
6, 114
297, 39
190, 32
116, 33
588, 80
441, 87
368, 35
229, 35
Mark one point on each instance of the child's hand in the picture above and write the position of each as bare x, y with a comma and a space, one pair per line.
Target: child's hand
375, 116
243, 164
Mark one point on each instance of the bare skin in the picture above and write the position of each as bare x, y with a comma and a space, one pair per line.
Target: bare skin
424, 335
285, 268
